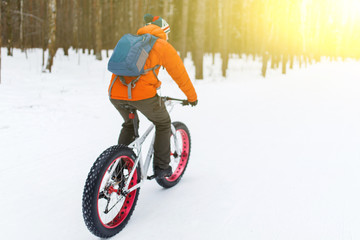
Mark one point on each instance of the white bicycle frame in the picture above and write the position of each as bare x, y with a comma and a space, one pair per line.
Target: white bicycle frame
137, 146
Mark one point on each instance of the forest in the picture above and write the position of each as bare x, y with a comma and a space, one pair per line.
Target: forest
277, 32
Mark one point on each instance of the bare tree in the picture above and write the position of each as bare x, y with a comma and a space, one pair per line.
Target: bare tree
64, 25
184, 28
44, 31
224, 9
22, 25
98, 42
9, 28
52, 33
200, 38
136, 14
168, 10
277, 30
76, 24
90, 24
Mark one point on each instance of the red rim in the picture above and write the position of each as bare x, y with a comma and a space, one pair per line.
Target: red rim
121, 215
184, 156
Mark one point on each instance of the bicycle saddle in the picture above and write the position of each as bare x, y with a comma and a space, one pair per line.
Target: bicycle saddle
129, 107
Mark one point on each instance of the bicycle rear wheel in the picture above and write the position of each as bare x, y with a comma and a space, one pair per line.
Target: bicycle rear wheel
178, 161
106, 208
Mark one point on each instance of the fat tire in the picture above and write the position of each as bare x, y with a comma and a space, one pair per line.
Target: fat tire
90, 194
165, 182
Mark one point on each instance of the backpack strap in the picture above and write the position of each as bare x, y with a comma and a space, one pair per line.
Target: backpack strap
153, 69
132, 84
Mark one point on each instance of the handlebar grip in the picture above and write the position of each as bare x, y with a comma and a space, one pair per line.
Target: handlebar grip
185, 102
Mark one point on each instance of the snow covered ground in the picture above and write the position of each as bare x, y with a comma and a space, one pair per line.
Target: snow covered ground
274, 158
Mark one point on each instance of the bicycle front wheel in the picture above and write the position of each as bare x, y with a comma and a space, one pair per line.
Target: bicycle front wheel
178, 160
106, 207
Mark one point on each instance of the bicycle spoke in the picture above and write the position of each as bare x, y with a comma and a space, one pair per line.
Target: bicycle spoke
121, 198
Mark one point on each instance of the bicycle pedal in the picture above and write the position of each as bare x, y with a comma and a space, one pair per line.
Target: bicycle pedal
151, 177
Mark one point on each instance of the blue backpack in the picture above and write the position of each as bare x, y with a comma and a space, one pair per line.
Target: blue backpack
129, 57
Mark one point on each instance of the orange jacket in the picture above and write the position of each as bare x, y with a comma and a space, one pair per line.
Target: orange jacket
162, 54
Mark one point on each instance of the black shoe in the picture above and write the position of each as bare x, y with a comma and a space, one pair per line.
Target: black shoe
162, 173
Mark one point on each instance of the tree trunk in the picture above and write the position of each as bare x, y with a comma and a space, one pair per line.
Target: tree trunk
224, 9
140, 14
44, 33
76, 25
212, 30
65, 12
132, 13
22, 25
165, 9
291, 61
168, 8
200, 38
225, 62
284, 62
90, 26
184, 28
66, 51
110, 44
98, 47
52, 33
274, 61
265, 59
9, 28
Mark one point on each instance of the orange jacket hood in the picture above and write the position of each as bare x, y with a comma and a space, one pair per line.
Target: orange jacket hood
153, 30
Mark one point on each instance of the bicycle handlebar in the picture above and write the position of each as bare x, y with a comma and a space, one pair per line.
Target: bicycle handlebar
182, 101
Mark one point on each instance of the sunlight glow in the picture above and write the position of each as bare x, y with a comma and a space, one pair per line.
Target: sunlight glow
319, 27
336, 24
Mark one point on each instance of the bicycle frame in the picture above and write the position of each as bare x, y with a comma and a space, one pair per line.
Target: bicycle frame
137, 145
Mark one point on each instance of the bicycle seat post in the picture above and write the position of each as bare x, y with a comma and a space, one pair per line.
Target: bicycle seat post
134, 118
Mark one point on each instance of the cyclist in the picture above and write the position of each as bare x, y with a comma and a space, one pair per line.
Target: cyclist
144, 96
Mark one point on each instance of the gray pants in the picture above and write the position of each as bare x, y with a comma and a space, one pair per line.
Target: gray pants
158, 115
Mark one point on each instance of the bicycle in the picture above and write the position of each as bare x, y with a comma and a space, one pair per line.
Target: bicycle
113, 183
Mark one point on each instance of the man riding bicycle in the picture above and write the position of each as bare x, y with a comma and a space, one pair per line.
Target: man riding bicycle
144, 97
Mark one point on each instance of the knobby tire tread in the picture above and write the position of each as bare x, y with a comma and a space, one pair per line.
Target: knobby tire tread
162, 181
89, 207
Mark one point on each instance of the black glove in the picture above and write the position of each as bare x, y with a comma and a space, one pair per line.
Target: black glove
193, 104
